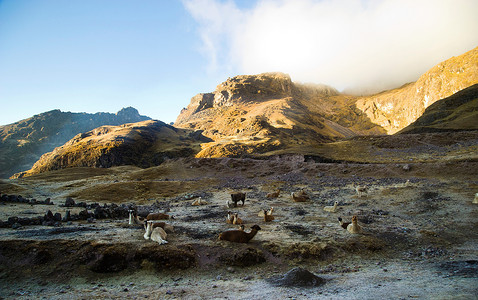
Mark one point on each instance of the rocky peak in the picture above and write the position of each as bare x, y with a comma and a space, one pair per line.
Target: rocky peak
23, 142
129, 113
258, 88
245, 88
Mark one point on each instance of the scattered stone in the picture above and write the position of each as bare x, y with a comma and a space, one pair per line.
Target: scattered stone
465, 268
69, 202
16, 225
57, 217
67, 216
298, 277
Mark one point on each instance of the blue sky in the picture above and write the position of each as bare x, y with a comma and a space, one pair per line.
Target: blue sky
92, 56
101, 56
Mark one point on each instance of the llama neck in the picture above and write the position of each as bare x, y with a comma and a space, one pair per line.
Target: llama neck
130, 218
251, 234
355, 225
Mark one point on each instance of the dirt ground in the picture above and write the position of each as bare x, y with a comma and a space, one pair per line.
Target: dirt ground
419, 235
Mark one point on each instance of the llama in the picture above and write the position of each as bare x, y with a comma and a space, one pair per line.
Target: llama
132, 219
343, 224
332, 208
269, 212
158, 216
268, 217
166, 227
300, 196
354, 227
236, 197
237, 220
229, 217
239, 236
274, 194
157, 234
199, 201
361, 190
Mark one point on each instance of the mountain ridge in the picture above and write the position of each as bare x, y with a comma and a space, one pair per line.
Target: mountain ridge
395, 109
23, 142
268, 114
144, 144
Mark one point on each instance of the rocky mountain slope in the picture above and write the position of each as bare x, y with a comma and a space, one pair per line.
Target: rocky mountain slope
143, 144
22, 143
267, 112
394, 110
454, 113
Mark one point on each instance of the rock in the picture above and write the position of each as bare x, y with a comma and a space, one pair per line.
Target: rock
49, 216
298, 277
100, 213
57, 217
12, 220
67, 216
69, 202
84, 214
16, 225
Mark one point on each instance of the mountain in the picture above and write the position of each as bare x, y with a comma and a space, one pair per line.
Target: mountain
268, 114
144, 144
395, 109
260, 114
22, 143
454, 113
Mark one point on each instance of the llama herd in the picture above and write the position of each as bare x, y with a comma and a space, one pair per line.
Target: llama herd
157, 230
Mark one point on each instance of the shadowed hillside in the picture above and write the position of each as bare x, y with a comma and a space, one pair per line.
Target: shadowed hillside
457, 112
396, 109
143, 144
22, 143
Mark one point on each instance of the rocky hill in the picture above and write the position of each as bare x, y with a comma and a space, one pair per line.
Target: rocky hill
143, 144
394, 110
22, 143
454, 113
254, 114
269, 114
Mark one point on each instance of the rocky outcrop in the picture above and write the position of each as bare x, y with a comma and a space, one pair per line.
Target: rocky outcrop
22, 143
394, 110
454, 113
258, 114
143, 144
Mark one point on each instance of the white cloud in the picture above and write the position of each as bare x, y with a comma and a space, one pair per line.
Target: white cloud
370, 44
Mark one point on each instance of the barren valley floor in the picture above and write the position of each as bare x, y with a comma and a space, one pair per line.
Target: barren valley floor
419, 235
